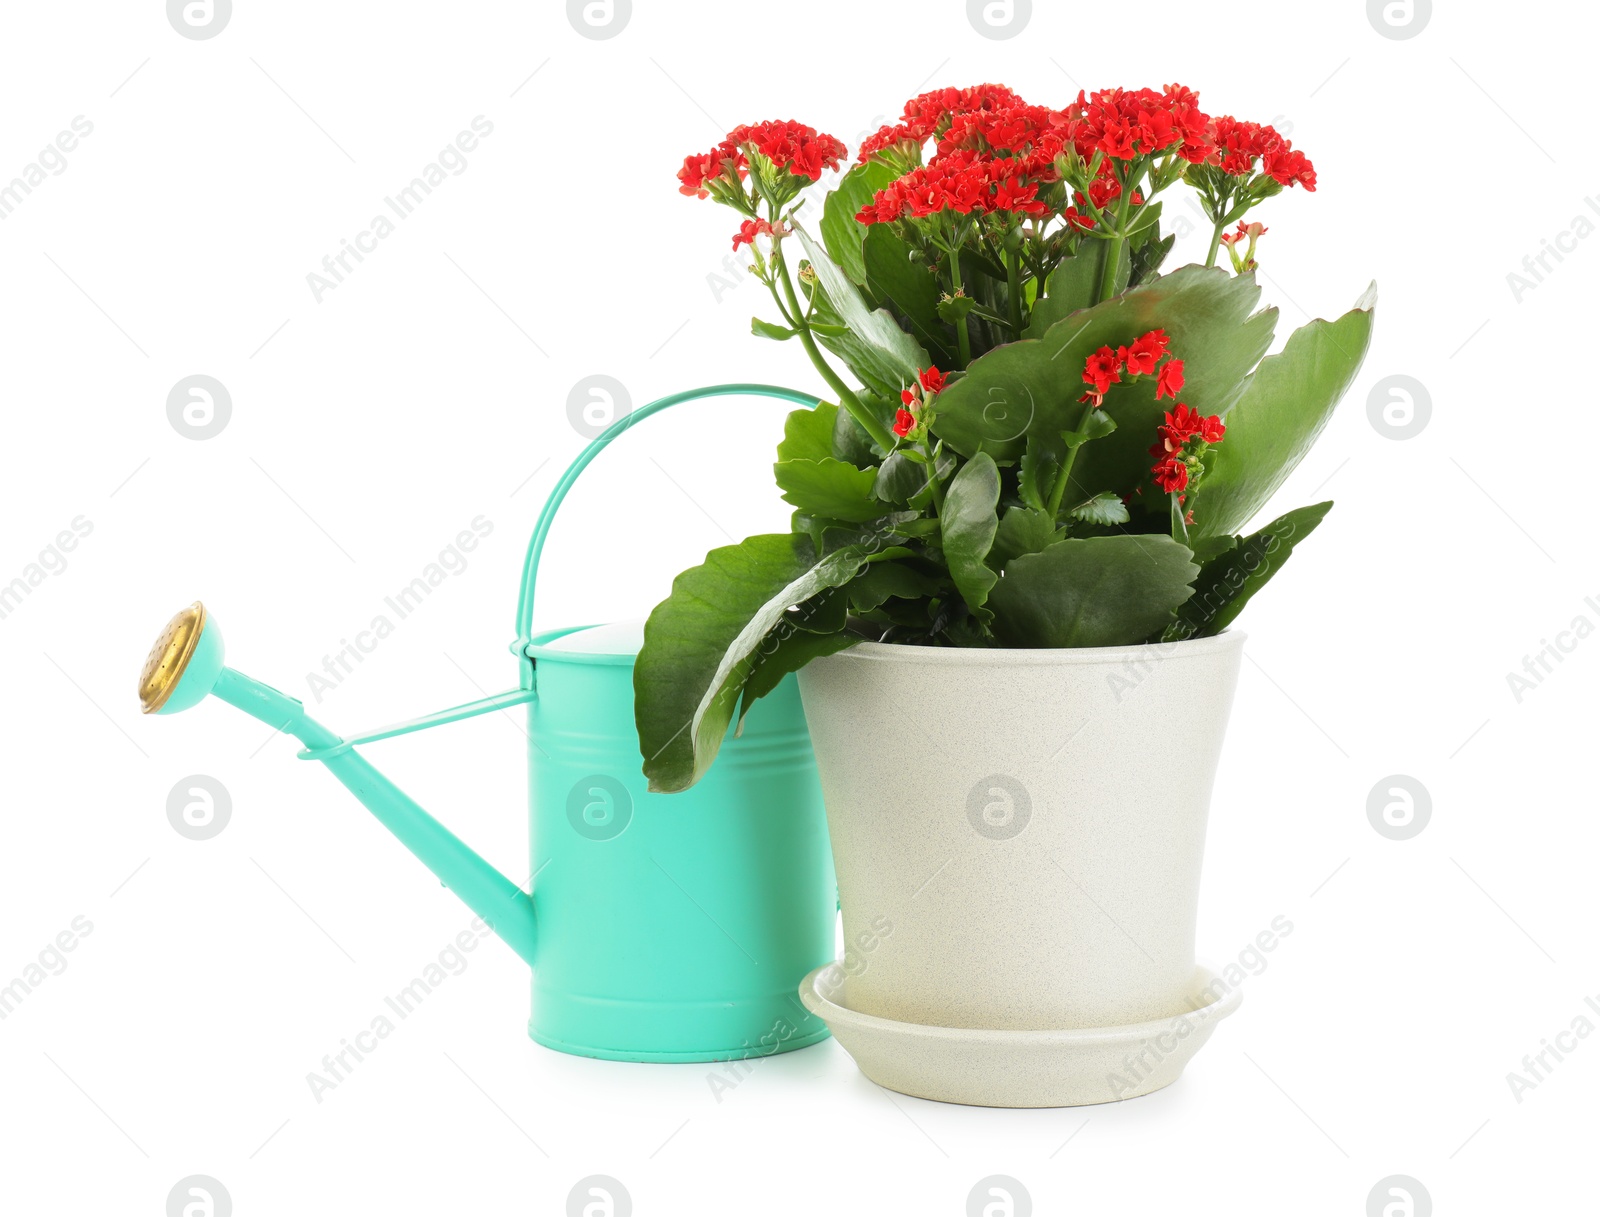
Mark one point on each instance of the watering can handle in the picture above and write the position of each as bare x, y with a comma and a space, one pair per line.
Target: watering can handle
530, 567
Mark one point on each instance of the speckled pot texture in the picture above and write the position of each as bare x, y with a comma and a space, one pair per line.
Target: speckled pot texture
1018, 834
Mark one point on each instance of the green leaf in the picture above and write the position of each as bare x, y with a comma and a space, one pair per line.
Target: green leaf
1146, 259
831, 488
842, 234
1033, 386
1283, 409
1104, 508
967, 526
808, 434
1096, 425
700, 644
1092, 591
850, 439
1073, 285
1231, 577
1023, 530
1041, 462
890, 581
910, 286
766, 329
783, 652
876, 348
956, 308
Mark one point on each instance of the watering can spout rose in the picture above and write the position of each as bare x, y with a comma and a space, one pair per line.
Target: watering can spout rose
660, 928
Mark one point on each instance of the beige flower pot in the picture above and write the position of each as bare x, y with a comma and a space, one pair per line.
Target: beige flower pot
1018, 838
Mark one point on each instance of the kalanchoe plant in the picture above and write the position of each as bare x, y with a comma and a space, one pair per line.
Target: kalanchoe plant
1039, 440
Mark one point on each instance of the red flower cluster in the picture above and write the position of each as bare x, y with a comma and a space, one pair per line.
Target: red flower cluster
1127, 123
995, 151
925, 114
962, 182
800, 149
1239, 145
912, 400
1146, 355
1171, 471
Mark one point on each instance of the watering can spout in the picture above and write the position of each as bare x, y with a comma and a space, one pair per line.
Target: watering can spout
186, 665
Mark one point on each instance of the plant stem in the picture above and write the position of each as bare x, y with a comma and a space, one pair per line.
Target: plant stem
1180, 530
879, 433
1108, 277
1014, 293
1059, 490
1219, 215
963, 342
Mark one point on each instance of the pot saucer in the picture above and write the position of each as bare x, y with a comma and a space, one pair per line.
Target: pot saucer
1023, 1068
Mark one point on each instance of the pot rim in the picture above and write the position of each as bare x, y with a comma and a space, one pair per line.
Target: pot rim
900, 652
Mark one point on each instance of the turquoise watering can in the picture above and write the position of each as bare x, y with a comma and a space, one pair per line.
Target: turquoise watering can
660, 927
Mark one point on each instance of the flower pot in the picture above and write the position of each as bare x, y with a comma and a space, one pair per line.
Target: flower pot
1018, 838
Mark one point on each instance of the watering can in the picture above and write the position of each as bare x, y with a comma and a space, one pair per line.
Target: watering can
659, 927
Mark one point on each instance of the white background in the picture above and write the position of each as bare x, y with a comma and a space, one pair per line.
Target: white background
431, 387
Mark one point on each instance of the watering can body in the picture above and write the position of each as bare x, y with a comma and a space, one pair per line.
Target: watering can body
659, 927
671, 927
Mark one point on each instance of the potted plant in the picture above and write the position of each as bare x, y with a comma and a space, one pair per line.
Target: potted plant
1018, 542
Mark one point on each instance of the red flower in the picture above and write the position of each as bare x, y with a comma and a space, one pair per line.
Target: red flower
1102, 370
1169, 380
1183, 423
790, 145
1288, 167
932, 380
930, 114
800, 149
1146, 352
904, 421
891, 138
749, 231
1127, 123
1171, 474
908, 397
698, 170
1239, 145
